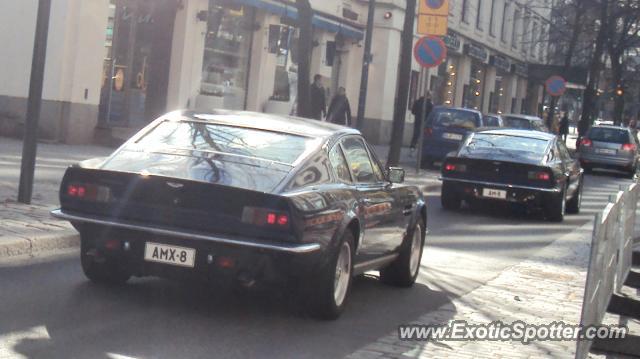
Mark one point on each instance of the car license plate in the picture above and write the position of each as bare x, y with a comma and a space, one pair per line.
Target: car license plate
452, 136
605, 151
174, 255
494, 193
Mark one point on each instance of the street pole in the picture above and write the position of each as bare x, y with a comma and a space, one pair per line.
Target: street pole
366, 60
30, 142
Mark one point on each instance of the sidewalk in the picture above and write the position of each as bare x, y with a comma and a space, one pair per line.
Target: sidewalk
545, 288
29, 229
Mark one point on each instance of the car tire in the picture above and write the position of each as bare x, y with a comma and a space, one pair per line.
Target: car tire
557, 207
328, 295
405, 269
573, 205
449, 199
102, 270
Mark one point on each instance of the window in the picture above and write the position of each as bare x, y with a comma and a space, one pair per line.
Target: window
492, 30
492, 146
358, 159
454, 118
377, 170
339, 164
465, 11
612, 135
516, 30
532, 46
188, 135
479, 16
503, 27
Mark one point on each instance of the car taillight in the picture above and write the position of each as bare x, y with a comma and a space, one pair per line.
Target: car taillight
89, 192
539, 175
629, 147
450, 167
74, 190
586, 142
428, 131
265, 217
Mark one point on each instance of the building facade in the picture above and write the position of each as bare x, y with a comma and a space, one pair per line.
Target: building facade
114, 65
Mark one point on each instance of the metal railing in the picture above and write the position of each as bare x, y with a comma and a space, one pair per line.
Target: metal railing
609, 267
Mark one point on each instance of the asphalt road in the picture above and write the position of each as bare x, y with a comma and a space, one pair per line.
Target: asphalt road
49, 310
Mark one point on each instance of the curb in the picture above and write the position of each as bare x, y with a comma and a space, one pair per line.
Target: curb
38, 244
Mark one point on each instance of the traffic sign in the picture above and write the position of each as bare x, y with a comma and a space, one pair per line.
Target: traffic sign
433, 16
430, 51
434, 7
432, 25
556, 85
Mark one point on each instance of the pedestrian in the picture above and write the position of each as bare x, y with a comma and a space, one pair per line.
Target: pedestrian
416, 110
317, 101
340, 110
564, 127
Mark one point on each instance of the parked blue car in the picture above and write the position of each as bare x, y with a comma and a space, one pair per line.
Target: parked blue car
445, 129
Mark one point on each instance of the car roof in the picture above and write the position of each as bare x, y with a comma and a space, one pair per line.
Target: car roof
441, 107
264, 121
519, 133
612, 127
525, 117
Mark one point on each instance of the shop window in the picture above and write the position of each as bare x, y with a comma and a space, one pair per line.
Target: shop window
330, 53
226, 54
282, 43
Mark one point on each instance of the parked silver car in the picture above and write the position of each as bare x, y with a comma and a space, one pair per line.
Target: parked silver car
609, 147
524, 122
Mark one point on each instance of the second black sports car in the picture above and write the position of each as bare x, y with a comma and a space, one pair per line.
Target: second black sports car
518, 166
250, 197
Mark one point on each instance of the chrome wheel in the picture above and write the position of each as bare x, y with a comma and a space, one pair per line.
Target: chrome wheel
343, 274
416, 247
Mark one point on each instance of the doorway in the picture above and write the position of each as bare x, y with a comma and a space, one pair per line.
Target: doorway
136, 62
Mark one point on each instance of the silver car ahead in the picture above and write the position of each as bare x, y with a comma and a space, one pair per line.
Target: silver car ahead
609, 147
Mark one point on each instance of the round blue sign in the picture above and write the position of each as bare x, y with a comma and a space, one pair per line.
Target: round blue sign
430, 51
435, 4
556, 85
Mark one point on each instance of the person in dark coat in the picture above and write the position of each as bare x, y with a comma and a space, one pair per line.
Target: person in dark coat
318, 100
340, 109
564, 127
416, 110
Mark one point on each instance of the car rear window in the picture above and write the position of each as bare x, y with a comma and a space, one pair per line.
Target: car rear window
608, 135
491, 121
488, 145
454, 118
517, 122
191, 135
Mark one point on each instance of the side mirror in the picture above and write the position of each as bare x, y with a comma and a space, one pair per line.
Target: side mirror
396, 174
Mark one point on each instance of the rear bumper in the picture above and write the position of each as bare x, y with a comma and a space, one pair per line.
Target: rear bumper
437, 149
251, 261
593, 159
180, 233
470, 189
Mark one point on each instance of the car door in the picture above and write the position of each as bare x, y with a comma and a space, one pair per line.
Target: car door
571, 168
377, 207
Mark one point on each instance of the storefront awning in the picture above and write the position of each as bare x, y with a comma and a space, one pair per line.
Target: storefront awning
319, 21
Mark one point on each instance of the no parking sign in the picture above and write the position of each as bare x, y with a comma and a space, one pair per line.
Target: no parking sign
430, 51
556, 85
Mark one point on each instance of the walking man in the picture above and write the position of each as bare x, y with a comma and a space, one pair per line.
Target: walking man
564, 127
340, 109
317, 101
416, 110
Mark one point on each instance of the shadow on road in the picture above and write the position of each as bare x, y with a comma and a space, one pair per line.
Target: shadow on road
167, 319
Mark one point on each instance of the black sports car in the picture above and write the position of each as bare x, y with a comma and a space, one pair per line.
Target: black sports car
248, 197
518, 166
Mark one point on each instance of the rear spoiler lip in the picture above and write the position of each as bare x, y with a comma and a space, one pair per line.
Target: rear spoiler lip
175, 232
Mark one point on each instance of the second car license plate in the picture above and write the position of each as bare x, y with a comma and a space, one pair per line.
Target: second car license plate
174, 255
452, 136
605, 151
494, 193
